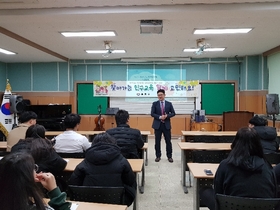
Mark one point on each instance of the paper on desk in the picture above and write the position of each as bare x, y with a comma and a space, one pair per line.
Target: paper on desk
74, 206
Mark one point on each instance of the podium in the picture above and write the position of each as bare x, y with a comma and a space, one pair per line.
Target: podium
204, 126
232, 121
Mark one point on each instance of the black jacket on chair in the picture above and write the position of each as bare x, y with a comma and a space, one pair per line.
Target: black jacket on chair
269, 138
128, 139
104, 165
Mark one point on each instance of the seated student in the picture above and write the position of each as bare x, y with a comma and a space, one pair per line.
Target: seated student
35, 131
128, 139
43, 153
244, 173
26, 119
104, 165
70, 141
267, 134
18, 189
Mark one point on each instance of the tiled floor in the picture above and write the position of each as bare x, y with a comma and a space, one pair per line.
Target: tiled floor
163, 190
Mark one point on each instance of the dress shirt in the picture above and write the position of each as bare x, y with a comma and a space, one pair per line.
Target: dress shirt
71, 142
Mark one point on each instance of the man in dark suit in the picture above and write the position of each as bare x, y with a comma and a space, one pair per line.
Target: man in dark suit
162, 111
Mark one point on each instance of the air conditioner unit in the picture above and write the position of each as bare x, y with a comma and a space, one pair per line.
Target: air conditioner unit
151, 26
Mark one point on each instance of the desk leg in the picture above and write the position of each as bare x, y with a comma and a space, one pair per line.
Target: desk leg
135, 203
196, 202
146, 160
145, 139
183, 171
141, 185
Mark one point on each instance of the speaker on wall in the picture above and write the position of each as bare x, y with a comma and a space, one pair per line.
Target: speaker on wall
272, 104
16, 104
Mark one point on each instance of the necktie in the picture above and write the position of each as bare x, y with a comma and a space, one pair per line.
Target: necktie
162, 108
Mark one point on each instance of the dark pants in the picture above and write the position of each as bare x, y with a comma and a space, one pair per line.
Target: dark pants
207, 197
167, 136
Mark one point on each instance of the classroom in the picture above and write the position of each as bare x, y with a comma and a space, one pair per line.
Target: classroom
160, 48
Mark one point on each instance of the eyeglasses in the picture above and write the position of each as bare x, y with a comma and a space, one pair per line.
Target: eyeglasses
36, 168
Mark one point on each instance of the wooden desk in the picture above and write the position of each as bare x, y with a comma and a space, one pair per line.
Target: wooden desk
136, 164
96, 206
89, 133
145, 137
86, 133
3, 145
186, 147
190, 134
197, 169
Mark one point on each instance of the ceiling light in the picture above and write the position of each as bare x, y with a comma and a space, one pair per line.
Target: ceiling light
105, 51
6, 52
88, 34
223, 31
206, 49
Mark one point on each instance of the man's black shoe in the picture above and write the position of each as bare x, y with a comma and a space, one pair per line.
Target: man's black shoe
157, 159
170, 160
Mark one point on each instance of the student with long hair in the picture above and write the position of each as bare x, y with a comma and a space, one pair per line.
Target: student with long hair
245, 172
35, 131
43, 153
18, 189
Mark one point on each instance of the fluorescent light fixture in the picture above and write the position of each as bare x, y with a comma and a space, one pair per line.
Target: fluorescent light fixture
6, 52
223, 31
207, 49
88, 34
215, 49
105, 51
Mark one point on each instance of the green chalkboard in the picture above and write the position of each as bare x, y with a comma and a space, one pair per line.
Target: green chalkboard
217, 98
87, 103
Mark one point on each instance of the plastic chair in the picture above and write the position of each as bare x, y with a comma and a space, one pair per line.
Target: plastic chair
226, 139
206, 139
71, 155
208, 156
272, 158
97, 194
226, 202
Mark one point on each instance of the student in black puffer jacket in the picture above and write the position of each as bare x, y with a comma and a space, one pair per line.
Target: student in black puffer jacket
128, 139
267, 134
104, 165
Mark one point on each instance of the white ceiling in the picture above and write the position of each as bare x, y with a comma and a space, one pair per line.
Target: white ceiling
41, 21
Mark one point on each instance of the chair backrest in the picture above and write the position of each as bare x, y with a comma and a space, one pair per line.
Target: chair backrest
226, 139
206, 139
208, 156
71, 155
226, 202
272, 158
4, 153
97, 194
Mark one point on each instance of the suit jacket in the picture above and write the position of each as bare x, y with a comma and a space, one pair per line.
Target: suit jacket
156, 113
